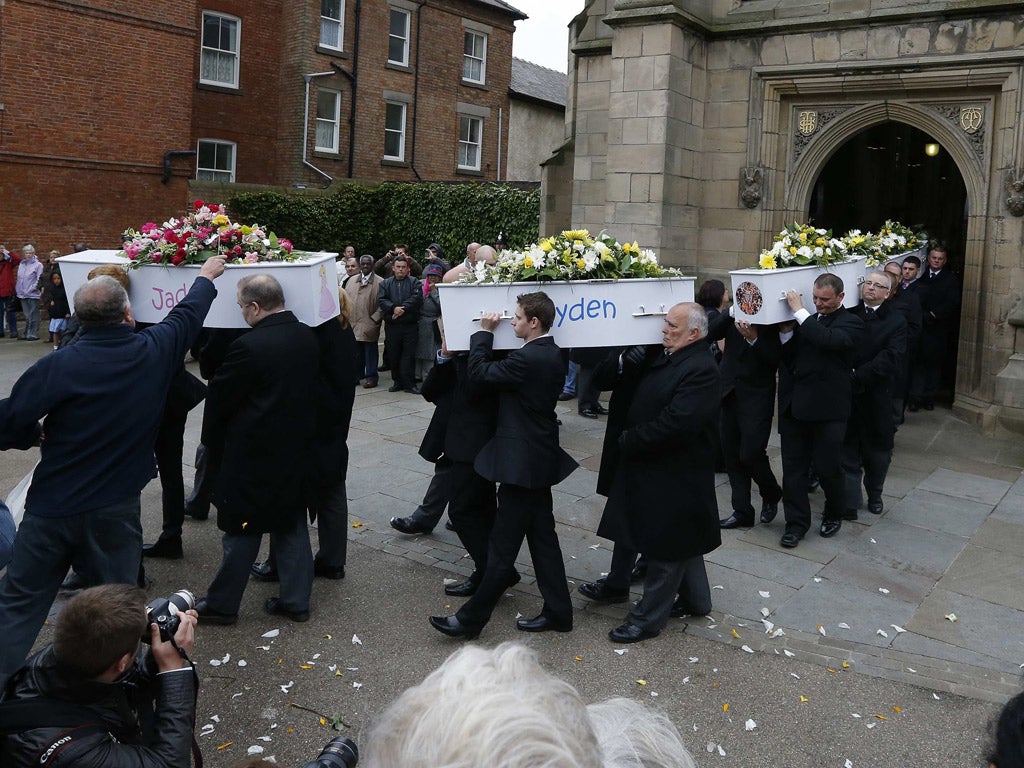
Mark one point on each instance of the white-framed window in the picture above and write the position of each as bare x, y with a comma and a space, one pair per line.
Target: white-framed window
332, 24
474, 59
215, 160
394, 130
398, 37
328, 119
221, 44
471, 131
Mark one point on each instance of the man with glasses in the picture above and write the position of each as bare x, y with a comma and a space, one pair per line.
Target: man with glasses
867, 449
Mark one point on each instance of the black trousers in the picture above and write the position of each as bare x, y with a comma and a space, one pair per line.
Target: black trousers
806, 444
170, 442
429, 512
522, 513
472, 506
746, 460
400, 344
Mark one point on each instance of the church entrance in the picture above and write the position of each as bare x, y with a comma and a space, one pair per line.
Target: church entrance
895, 171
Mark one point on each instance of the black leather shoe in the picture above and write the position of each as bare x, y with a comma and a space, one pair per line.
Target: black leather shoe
587, 413
876, 507
449, 527
639, 572
543, 623
790, 539
274, 607
682, 609
209, 616
333, 572
466, 588
197, 513
73, 582
812, 482
769, 511
600, 592
566, 396
850, 514
913, 406
413, 390
830, 527
394, 388
409, 525
600, 410
451, 626
165, 548
735, 521
630, 633
264, 572
929, 405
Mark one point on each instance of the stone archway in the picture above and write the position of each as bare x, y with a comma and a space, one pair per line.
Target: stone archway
810, 162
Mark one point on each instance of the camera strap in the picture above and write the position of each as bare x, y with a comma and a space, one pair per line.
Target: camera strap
40, 712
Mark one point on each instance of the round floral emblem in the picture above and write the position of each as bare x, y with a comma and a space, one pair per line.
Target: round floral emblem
749, 299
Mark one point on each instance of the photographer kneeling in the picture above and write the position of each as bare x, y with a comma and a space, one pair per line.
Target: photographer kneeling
97, 698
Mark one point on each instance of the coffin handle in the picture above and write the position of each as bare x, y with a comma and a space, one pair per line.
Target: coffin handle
641, 312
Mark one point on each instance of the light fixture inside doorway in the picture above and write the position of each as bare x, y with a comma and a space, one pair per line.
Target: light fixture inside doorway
931, 150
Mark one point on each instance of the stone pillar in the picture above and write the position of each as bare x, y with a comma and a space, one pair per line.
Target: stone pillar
655, 124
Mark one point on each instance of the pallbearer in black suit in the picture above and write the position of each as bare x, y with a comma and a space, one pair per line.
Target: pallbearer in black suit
748, 368
525, 458
814, 404
867, 449
662, 496
941, 304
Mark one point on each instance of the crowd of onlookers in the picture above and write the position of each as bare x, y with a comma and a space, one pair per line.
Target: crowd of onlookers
32, 285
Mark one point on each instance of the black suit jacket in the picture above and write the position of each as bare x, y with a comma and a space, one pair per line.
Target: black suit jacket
749, 371
662, 499
340, 366
878, 363
524, 450
941, 300
815, 381
259, 423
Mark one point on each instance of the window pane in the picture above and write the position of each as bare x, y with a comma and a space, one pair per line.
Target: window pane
394, 131
398, 39
330, 33
325, 135
215, 161
331, 9
327, 105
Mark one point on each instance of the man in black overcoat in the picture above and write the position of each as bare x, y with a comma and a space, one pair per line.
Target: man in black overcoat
940, 303
400, 298
661, 501
815, 391
867, 449
749, 366
907, 305
525, 458
261, 427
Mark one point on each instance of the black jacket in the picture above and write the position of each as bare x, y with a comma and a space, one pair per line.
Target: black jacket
524, 450
120, 709
662, 498
815, 382
259, 424
407, 293
878, 365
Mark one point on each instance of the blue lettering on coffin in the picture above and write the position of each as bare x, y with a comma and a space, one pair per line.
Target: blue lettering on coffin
594, 309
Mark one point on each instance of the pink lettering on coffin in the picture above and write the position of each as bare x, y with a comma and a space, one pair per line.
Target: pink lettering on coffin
167, 299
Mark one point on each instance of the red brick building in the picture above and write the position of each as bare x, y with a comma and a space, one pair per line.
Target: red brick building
109, 109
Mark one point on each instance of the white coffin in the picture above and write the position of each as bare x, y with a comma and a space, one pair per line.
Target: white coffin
310, 286
760, 294
921, 253
588, 313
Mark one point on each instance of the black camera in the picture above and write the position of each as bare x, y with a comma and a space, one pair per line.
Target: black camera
339, 753
164, 613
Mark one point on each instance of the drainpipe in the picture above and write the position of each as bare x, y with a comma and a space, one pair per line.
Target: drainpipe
499, 142
305, 125
352, 106
416, 92
167, 160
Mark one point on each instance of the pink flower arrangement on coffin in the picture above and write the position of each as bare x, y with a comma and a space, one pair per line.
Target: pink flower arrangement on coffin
203, 233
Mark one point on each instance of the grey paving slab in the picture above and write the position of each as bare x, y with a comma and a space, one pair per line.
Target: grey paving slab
769, 563
872, 576
909, 548
1017, 489
939, 512
828, 603
584, 513
989, 574
812, 547
984, 627
902, 480
985, 490
582, 482
996, 533
738, 594
1010, 509
401, 425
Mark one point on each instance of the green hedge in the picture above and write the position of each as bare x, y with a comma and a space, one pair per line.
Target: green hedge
374, 217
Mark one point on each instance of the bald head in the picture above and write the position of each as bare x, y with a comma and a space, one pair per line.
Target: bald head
101, 301
486, 254
262, 289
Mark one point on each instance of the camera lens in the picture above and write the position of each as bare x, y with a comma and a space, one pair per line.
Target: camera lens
339, 752
183, 600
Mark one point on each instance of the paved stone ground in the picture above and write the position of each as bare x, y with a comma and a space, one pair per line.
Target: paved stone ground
949, 542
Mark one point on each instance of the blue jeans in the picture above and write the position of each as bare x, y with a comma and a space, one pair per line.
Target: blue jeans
569, 387
369, 352
9, 314
30, 308
105, 543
